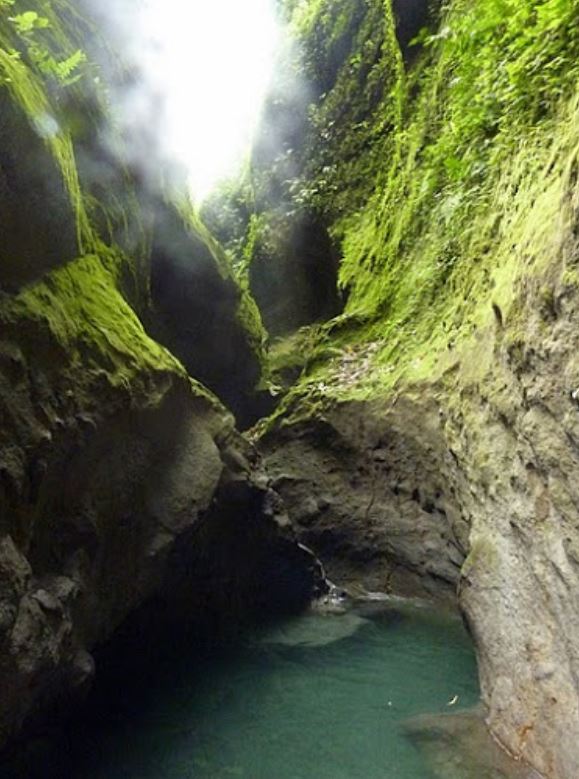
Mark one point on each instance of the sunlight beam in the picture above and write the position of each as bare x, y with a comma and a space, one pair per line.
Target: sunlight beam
203, 68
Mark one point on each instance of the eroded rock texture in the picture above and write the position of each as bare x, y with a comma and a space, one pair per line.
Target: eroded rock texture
467, 484
367, 487
107, 498
123, 481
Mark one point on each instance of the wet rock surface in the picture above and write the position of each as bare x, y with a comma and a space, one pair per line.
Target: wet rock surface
367, 488
466, 485
146, 513
124, 487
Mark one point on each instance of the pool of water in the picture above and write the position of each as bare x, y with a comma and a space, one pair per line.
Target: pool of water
316, 697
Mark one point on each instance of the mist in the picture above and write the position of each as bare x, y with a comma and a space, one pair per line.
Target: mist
198, 74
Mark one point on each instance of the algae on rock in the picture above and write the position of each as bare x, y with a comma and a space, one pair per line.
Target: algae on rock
123, 481
430, 443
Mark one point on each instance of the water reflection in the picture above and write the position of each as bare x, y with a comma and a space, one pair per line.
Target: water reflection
318, 697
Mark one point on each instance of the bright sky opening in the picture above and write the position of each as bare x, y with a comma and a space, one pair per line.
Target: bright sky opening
210, 62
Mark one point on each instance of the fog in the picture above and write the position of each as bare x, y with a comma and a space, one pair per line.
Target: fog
199, 73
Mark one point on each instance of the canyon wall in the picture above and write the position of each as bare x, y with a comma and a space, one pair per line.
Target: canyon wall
429, 445
123, 481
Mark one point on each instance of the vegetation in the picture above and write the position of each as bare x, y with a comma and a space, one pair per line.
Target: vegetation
45, 70
496, 72
27, 68
444, 178
460, 183
27, 24
82, 312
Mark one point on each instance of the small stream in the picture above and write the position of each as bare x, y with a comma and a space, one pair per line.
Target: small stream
315, 697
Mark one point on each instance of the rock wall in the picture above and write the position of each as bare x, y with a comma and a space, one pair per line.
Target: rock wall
202, 313
123, 482
429, 445
465, 485
293, 273
32, 191
111, 458
367, 486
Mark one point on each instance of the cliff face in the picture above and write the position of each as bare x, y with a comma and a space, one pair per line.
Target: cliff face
123, 481
464, 484
111, 461
430, 444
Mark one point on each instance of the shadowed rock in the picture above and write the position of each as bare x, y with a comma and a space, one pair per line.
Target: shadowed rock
38, 222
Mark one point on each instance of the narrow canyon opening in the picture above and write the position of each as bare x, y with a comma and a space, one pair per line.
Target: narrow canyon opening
289, 298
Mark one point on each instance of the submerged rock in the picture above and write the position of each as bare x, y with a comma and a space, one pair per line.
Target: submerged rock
314, 630
458, 746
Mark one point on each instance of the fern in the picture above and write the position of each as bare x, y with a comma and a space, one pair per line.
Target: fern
27, 24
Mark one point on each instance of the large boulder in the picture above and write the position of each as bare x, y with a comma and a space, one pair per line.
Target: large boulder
116, 472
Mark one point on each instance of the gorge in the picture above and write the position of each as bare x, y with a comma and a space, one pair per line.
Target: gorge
348, 376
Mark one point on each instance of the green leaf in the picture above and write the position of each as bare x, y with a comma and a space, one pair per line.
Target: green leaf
28, 21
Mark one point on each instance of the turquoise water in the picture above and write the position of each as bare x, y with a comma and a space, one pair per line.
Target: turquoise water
317, 697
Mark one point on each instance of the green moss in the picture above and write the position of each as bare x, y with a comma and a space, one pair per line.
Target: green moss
38, 65
82, 310
47, 73
83, 307
350, 53
483, 555
471, 193
440, 203
80, 306
249, 318
27, 90
247, 313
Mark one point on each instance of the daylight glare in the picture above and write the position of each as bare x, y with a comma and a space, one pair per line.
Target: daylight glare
211, 64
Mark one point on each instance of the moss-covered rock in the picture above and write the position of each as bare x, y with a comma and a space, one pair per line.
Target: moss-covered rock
202, 313
456, 221
38, 220
292, 271
111, 458
122, 479
64, 159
